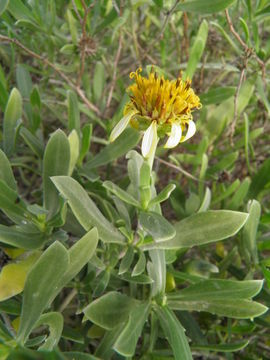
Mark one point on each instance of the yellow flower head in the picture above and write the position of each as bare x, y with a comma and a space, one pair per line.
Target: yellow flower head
161, 107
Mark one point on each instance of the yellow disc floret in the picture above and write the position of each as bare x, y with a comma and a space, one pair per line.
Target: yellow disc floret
159, 105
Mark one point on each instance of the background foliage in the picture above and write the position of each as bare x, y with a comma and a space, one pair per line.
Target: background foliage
81, 276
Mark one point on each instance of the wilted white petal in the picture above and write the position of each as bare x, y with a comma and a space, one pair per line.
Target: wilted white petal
191, 130
121, 125
175, 136
149, 139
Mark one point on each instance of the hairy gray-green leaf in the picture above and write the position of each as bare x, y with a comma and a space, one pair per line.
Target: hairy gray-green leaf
41, 283
110, 310
218, 289
55, 321
120, 193
16, 236
231, 347
250, 230
6, 173
163, 195
3, 5
127, 340
126, 141
56, 162
12, 118
73, 112
85, 210
236, 308
203, 228
174, 332
156, 226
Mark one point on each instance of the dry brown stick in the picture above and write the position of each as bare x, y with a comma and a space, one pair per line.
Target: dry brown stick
168, 15
178, 168
45, 61
116, 60
247, 49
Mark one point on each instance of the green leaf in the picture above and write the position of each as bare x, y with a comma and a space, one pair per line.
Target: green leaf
157, 271
240, 309
225, 163
203, 228
99, 80
86, 139
217, 289
11, 204
262, 93
126, 141
55, 321
140, 266
12, 119
230, 190
41, 283
74, 143
56, 162
73, 112
222, 347
120, 193
197, 50
19, 10
6, 173
250, 230
10, 306
139, 279
163, 195
85, 210
110, 310
80, 254
174, 332
204, 6
3, 5
126, 261
156, 226
127, 340
260, 179
217, 95
32, 141
13, 276
206, 201
239, 196
23, 80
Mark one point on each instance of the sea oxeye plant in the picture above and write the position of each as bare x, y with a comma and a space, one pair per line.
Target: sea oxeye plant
134, 211
127, 288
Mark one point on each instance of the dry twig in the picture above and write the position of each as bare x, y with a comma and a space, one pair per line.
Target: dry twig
178, 168
45, 61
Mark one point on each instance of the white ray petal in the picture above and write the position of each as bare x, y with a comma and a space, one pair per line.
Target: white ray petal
191, 130
149, 139
121, 125
175, 136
